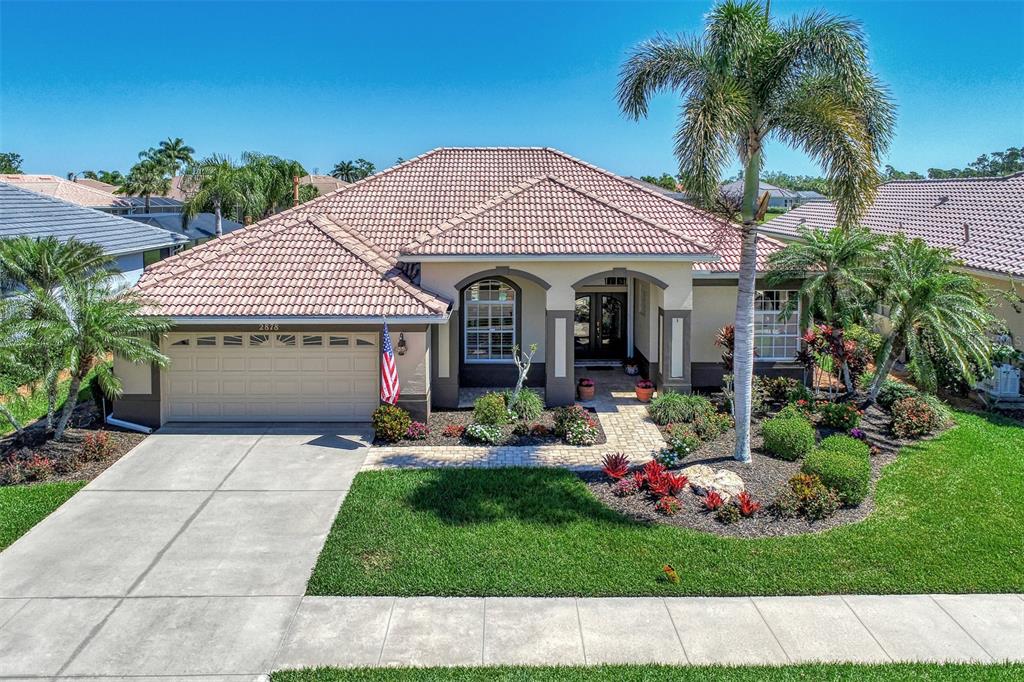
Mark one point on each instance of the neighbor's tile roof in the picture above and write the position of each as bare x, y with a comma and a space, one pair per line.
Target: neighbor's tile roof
25, 213
937, 211
547, 216
323, 183
420, 197
74, 192
296, 266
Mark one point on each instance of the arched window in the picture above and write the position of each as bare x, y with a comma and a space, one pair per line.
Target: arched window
489, 321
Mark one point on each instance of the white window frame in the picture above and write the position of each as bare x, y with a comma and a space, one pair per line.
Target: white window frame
761, 315
491, 332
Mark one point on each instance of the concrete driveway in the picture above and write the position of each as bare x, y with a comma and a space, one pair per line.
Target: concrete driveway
187, 557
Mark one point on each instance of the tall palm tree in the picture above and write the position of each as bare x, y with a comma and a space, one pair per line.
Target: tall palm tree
928, 296
351, 171
837, 269
94, 319
746, 78
176, 154
269, 183
146, 178
217, 183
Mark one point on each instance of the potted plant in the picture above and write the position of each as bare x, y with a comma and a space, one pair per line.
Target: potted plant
644, 390
586, 389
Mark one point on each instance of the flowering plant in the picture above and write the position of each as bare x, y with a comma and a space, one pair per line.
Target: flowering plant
645, 383
585, 381
858, 434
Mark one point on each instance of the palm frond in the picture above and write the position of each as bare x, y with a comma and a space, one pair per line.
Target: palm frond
661, 63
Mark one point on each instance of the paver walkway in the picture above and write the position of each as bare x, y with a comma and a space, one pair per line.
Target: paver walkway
624, 419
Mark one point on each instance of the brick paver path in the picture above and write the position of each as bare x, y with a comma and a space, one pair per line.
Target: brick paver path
623, 418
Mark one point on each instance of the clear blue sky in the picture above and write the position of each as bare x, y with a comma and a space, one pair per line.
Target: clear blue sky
87, 85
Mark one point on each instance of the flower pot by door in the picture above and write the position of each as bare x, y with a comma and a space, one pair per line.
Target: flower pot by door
586, 392
644, 395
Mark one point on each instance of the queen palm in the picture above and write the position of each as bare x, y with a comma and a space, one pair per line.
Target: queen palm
176, 154
927, 296
745, 79
146, 178
218, 183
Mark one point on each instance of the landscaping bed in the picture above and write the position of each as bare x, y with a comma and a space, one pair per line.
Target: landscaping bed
946, 519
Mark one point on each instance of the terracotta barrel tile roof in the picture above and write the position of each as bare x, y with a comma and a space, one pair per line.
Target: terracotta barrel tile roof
337, 254
937, 211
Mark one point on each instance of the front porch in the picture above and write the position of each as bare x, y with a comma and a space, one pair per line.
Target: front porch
578, 314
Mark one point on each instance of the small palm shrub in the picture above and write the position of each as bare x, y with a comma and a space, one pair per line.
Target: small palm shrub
846, 469
841, 416
391, 423
484, 433
671, 407
527, 405
490, 410
789, 438
914, 417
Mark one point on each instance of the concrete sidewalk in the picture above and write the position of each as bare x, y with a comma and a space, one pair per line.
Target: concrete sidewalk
370, 631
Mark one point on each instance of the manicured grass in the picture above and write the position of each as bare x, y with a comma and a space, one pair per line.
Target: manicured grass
896, 672
23, 506
950, 518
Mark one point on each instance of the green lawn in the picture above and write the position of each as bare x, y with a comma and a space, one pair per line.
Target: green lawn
23, 506
896, 672
31, 408
950, 518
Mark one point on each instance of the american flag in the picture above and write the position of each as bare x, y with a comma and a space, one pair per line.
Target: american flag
389, 388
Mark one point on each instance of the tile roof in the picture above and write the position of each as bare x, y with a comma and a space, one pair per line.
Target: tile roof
735, 188
96, 184
937, 211
323, 183
429, 196
37, 215
547, 216
74, 192
309, 266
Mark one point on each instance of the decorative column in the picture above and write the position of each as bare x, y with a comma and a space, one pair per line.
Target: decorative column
444, 360
559, 351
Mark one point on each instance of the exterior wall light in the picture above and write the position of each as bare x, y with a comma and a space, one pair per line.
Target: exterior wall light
402, 346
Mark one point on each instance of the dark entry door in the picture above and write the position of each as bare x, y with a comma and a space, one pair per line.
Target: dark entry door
599, 331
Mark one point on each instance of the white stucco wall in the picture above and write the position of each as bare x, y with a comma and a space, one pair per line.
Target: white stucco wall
1004, 310
136, 378
713, 308
414, 366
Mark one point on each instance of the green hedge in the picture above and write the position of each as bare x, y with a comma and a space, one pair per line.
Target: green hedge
844, 469
788, 437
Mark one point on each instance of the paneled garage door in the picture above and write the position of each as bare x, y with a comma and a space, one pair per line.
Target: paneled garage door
287, 376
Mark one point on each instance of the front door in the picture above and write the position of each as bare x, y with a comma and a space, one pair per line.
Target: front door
599, 330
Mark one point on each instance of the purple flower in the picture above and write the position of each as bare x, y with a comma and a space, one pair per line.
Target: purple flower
858, 434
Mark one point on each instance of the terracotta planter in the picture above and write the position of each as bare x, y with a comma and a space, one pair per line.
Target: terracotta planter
586, 392
644, 395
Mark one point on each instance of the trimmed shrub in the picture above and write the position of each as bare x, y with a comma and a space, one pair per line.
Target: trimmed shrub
846, 444
671, 407
893, 391
914, 417
484, 433
843, 470
789, 438
728, 514
454, 431
841, 416
527, 406
794, 411
96, 446
821, 504
391, 423
490, 410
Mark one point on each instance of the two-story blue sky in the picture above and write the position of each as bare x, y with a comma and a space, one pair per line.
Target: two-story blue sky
87, 85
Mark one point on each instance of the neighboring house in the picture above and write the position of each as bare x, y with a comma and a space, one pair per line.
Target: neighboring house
778, 197
981, 219
96, 184
201, 227
325, 184
678, 195
132, 244
806, 195
468, 252
84, 193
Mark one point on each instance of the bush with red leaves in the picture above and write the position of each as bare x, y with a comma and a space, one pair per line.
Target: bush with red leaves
659, 484
713, 500
676, 483
540, 430
615, 465
746, 504
668, 505
653, 469
454, 431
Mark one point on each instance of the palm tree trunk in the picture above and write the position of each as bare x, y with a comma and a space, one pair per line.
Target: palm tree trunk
51, 384
743, 353
220, 224
886, 359
147, 203
69, 406
9, 416
847, 379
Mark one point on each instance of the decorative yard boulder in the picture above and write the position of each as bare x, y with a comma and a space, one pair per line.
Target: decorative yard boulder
703, 478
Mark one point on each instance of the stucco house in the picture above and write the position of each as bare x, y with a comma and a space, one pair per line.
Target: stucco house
980, 219
468, 252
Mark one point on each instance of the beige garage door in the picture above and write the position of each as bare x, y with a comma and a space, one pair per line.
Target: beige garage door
287, 376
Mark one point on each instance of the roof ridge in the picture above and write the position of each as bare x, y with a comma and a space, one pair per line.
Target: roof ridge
982, 178
344, 236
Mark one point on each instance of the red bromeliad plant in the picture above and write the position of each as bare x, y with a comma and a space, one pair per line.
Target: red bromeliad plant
639, 478
659, 484
713, 500
615, 465
653, 469
676, 483
746, 503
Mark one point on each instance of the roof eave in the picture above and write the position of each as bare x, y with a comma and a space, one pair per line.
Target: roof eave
494, 257
306, 319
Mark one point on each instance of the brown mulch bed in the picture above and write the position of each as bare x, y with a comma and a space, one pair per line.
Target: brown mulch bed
66, 454
439, 419
764, 479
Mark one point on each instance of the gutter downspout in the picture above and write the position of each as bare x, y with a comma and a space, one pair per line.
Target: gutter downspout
131, 426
